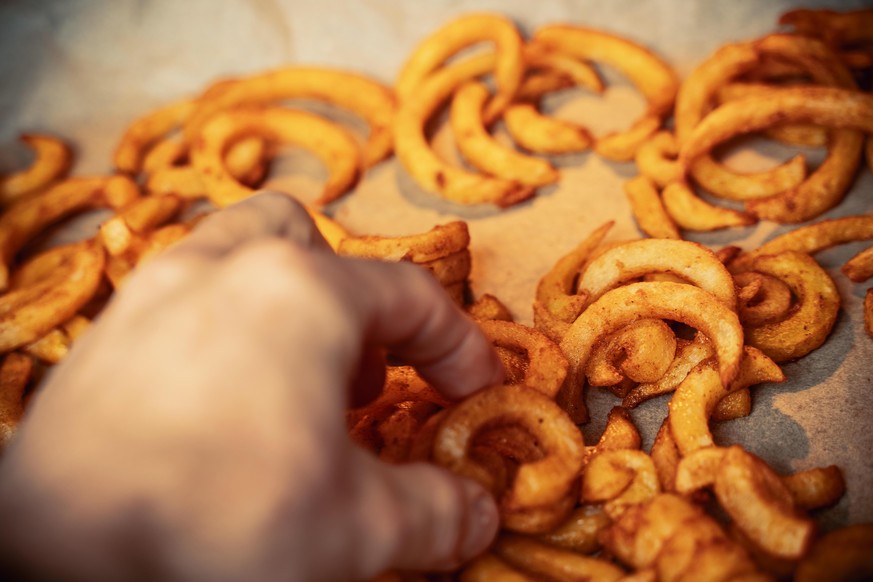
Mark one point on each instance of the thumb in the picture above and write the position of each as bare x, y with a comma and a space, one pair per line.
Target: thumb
419, 517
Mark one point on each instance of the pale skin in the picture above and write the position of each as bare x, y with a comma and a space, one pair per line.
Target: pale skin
197, 432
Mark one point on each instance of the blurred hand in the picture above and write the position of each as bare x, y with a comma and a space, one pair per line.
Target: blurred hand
197, 430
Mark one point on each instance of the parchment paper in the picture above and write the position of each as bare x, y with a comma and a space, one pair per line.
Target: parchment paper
84, 69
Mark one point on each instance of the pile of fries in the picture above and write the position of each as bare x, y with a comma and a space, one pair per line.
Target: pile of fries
643, 318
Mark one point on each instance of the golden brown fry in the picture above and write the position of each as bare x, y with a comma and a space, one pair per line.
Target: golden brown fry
828, 106
54, 346
489, 307
580, 72
813, 317
119, 233
579, 533
763, 298
678, 539
332, 231
798, 135
15, 373
650, 74
555, 291
619, 479
675, 301
665, 455
641, 351
459, 34
489, 568
868, 312
546, 364
67, 277
860, 267
813, 238
543, 134
544, 561
690, 261
620, 433
688, 355
426, 168
648, 208
52, 160
656, 158
761, 505
22, 222
482, 151
361, 95
695, 398
146, 131
438, 242
694, 213
698, 469
166, 153
735, 405
332, 144
816, 488
536, 484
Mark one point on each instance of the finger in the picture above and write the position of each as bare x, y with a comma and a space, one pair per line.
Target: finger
419, 517
266, 214
367, 384
404, 308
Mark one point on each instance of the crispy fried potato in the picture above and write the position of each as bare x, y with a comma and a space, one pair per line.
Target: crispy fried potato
761, 505
542, 560
459, 34
816, 488
656, 158
868, 312
675, 301
798, 135
836, 27
698, 469
655, 79
813, 316
814, 237
438, 242
688, 355
641, 351
16, 371
827, 106
481, 150
618, 479
142, 215
690, 261
691, 212
55, 345
580, 532
146, 131
555, 291
488, 567
546, 364
543, 134
426, 168
22, 222
536, 484
695, 398
860, 267
366, 98
735, 405
52, 160
67, 278
648, 208
489, 307
763, 298
332, 144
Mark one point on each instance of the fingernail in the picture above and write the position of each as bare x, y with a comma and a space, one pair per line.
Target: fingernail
482, 523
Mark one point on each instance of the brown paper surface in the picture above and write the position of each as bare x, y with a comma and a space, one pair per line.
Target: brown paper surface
85, 69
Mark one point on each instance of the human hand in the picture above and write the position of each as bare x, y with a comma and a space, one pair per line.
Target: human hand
197, 431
